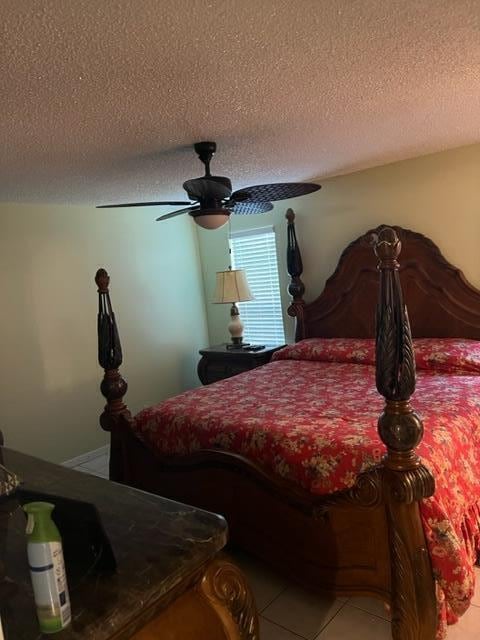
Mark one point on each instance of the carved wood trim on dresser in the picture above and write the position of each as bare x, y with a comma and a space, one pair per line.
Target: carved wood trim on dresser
219, 606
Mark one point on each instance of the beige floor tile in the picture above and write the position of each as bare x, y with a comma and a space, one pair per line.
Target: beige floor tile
467, 628
271, 631
265, 584
302, 612
354, 624
476, 597
370, 605
95, 464
102, 472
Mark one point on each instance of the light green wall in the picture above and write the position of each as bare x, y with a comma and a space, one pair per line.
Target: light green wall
438, 195
49, 397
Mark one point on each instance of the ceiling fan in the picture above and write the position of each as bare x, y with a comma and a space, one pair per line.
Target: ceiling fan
213, 200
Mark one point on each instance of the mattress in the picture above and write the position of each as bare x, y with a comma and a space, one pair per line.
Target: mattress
310, 417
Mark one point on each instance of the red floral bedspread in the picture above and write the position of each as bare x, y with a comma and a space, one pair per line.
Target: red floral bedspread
311, 417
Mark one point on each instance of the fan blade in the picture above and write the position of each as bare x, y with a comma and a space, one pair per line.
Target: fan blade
244, 208
172, 203
275, 191
177, 213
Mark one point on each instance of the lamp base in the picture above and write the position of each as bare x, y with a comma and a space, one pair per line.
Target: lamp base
235, 327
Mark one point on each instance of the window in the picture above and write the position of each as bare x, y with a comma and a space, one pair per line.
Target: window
255, 251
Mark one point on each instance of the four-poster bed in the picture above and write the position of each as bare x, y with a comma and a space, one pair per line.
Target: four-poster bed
367, 538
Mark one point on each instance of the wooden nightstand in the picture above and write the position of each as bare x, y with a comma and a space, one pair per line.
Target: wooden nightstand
219, 362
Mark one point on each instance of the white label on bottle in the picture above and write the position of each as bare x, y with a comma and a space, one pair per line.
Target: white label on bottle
49, 580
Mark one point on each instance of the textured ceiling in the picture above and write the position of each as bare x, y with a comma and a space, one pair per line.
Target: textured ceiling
101, 99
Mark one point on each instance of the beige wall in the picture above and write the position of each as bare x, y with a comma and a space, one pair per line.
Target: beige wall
49, 398
438, 195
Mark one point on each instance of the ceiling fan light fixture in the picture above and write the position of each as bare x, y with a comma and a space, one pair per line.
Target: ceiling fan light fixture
212, 220
212, 200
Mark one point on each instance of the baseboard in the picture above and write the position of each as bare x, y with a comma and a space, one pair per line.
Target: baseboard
86, 457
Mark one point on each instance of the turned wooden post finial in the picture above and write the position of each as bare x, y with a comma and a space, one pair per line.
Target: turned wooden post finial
102, 280
406, 480
296, 288
109, 347
290, 216
113, 386
399, 427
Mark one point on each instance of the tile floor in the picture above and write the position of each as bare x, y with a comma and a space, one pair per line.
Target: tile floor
94, 462
287, 612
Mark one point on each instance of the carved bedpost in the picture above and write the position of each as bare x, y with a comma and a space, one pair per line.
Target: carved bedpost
296, 288
113, 387
406, 479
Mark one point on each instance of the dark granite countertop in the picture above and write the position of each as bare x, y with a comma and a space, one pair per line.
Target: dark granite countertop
160, 547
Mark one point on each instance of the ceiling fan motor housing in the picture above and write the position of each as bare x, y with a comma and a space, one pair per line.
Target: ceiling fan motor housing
211, 188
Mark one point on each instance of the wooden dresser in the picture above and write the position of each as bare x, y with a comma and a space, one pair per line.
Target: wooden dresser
170, 582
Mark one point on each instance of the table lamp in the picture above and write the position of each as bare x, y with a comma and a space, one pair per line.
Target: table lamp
232, 287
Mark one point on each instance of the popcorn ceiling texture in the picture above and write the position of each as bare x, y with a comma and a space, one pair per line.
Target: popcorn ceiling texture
101, 100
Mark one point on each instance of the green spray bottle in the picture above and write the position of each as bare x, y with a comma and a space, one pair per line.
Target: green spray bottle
47, 568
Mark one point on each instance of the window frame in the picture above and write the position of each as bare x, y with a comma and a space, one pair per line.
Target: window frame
274, 306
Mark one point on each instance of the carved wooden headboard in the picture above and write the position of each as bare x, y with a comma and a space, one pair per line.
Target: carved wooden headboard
440, 301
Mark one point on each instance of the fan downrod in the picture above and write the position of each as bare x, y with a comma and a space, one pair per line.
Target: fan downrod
205, 151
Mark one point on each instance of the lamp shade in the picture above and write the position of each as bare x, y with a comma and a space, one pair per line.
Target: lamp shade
231, 286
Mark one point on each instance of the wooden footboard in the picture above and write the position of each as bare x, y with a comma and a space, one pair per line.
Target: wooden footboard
368, 540
336, 544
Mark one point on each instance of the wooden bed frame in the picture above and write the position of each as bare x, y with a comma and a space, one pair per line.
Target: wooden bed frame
368, 540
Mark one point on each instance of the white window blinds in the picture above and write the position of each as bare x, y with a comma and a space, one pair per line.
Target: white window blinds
255, 251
